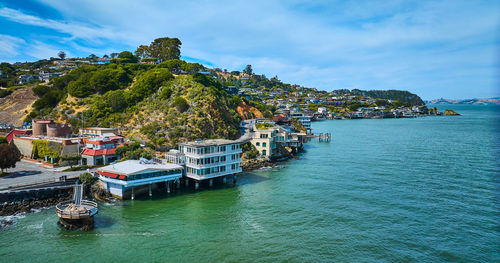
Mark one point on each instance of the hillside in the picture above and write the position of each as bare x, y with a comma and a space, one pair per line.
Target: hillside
490, 101
184, 110
248, 112
400, 95
15, 106
148, 102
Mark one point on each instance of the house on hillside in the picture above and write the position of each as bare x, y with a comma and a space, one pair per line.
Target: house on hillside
24, 79
99, 151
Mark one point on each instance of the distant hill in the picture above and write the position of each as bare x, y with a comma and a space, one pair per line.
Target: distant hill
490, 101
400, 95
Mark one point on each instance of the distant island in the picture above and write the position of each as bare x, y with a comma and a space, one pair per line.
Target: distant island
490, 101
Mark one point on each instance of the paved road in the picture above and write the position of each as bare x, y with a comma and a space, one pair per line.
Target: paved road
28, 173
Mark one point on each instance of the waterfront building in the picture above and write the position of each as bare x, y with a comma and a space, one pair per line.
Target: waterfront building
175, 157
133, 177
211, 159
264, 139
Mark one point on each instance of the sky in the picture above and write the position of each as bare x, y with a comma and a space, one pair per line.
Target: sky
436, 49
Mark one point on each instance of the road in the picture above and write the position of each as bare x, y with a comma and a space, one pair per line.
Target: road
31, 173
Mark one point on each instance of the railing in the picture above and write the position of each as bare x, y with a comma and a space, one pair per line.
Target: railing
206, 176
214, 153
52, 180
77, 215
209, 165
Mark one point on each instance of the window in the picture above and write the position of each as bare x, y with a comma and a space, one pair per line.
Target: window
264, 144
264, 152
257, 143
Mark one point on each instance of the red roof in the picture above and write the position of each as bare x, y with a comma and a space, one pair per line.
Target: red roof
11, 134
99, 142
93, 152
112, 175
107, 174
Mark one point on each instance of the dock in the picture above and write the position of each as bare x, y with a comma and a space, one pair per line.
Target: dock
322, 137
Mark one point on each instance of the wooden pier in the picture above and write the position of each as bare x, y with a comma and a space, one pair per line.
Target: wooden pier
322, 137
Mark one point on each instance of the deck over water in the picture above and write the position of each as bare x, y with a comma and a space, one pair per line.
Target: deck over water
90, 210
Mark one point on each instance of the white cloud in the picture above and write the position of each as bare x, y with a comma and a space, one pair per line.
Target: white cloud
75, 30
327, 45
9, 46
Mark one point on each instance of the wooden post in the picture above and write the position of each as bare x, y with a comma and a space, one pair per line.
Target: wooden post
196, 185
211, 182
150, 190
168, 187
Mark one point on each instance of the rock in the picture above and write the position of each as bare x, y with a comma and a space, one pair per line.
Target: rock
451, 113
6, 223
82, 224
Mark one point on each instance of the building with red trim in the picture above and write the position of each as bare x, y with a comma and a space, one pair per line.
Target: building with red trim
129, 178
99, 151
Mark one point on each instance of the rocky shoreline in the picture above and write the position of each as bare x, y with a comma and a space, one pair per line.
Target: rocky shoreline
254, 164
26, 206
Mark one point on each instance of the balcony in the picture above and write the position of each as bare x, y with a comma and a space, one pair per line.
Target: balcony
213, 175
213, 164
203, 155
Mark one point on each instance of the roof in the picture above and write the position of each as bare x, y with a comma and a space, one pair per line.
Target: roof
212, 142
130, 167
99, 141
93, 152
11, 134
99, 128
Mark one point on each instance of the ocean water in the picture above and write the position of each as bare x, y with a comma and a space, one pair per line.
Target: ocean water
392, 190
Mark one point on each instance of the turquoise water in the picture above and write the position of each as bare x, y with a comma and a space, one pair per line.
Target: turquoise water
392, 190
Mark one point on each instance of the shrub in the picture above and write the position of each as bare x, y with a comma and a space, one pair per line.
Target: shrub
86, 178
180, 104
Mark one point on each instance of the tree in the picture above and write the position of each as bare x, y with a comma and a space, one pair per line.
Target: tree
142, 51
180, 104
163, 49
114, 55
3, 139
86, 178
92, 56
61, 54
248, 70
9, 155
125, 54
127, 57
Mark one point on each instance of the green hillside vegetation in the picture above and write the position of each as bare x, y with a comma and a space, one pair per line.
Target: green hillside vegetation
404, 97
147, 101
184, 109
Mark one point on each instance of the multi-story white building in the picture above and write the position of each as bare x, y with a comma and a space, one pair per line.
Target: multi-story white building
210, 159
264, 139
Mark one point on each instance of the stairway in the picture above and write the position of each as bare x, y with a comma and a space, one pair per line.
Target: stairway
78, 194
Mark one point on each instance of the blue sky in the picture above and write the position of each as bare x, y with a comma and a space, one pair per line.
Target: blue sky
436, 49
